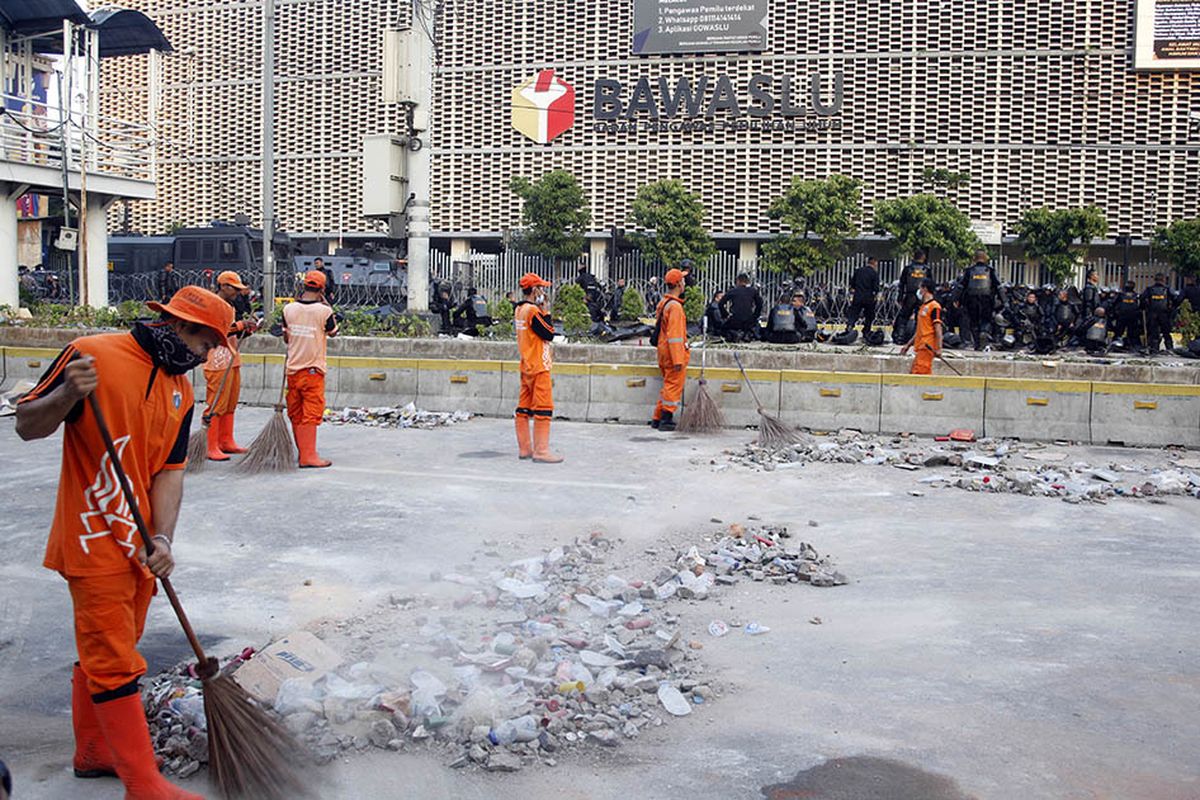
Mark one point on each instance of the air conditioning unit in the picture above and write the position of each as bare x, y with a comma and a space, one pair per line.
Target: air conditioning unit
68, 239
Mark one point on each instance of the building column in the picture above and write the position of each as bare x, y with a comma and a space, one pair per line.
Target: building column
10, 293
459, 249
748, 251
97, 251
599, 258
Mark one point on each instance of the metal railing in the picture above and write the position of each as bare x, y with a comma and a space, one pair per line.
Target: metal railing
33, 133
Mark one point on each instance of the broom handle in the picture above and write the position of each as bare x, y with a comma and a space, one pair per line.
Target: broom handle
283, 384
943, 360
703, 345
746, 378
141, 525
206, 418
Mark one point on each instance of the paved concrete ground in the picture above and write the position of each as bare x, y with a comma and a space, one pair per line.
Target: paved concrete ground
1018, 647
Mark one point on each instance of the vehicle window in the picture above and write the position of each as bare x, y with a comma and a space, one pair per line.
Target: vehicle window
230, 252
187, 251
209, 251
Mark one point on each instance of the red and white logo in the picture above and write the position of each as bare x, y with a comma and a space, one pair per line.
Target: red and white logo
543, 107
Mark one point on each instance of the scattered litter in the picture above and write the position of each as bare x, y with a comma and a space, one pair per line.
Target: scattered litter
718, 628
755, 629
988, 465
408, 416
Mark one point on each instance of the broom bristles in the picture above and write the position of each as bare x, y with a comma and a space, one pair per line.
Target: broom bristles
250, 753
271, 450
197, 450
773, 433
702, 415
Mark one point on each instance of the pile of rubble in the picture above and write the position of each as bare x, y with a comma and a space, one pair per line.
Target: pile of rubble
989, 465
408, 416
545, 656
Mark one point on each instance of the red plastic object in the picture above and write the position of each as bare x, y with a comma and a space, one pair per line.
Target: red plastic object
767, 542
941, 438
962, 435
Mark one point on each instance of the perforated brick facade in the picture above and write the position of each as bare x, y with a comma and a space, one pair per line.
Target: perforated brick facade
1037, 101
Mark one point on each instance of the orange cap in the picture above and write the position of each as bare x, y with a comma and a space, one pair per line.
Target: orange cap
674, 277
201, 307
230, 278
531, 279
314, 279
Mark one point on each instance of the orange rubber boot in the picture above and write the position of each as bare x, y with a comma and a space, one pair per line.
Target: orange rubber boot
228, 443
124, 724
541, 442
93, 758
213, 430
306, 443
524, 438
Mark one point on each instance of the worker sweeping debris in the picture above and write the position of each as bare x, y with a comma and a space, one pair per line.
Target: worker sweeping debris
670, 337
307, 325
536, 401
223, 401
141, 378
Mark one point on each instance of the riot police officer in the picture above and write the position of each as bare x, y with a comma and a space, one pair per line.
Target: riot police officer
1158, 302
806, 319
1065, 317
1127, 322
782, 325
910, 286
1095, 331
1091, 293
472, 312
980, 287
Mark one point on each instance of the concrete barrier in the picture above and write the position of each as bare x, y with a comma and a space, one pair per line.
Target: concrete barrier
829, 401
374, 381
25, 363
572, 389
930, 404
731, 394
1038, 409
450, 385
621, 392
1146, 414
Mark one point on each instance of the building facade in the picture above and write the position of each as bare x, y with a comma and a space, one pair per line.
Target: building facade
1037, 102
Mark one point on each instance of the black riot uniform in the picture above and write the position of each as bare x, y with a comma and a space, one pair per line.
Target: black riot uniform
471, 312
1065, 319
806, 322
980, 287
910, 281
1127, 317
742, 306
1095, 334
782, 325
865, 286
1158, 301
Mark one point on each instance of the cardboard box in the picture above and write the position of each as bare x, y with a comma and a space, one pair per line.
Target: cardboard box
299, 655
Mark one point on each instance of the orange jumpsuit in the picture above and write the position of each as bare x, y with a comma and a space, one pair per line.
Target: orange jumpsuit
672, 353
93, 540
308, 324
534, 332
928, 318
214, 371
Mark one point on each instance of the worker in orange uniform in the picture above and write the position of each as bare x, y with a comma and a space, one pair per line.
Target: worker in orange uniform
536, 401
927, 340
307, 324
140, 380
673, 353
220, 415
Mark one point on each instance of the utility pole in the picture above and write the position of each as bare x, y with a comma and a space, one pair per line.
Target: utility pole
419, 162
268, 157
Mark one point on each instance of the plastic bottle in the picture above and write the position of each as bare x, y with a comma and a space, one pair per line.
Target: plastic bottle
570, 686
521, 729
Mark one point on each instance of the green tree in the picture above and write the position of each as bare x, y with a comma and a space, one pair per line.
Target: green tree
693, 303
1058, 238
671, 222
633, 305
927, 222
554, 214
825, 209
1180, 243
946, 178
501, 310
570, 305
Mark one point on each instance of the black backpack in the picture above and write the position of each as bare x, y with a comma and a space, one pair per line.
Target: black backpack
875, 337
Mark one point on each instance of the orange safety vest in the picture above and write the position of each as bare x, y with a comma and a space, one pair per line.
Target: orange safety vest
672, 331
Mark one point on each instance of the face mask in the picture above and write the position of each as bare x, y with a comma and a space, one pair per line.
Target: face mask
920, 296
170, 353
